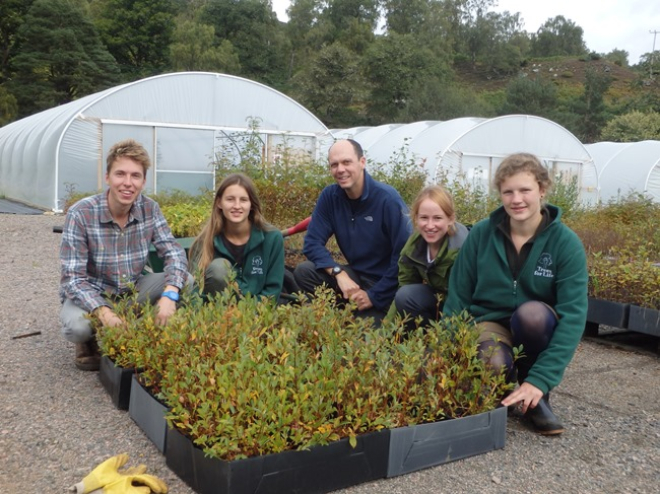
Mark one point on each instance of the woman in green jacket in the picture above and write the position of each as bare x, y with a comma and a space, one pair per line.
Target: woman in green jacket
428, 255
237, 238
522, 274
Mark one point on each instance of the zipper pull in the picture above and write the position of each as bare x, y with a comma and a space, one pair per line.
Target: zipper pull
515, 287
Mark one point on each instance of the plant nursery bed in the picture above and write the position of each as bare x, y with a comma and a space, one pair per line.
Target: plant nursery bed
428, 445
148, 413
327, 468
317, 470
116, 381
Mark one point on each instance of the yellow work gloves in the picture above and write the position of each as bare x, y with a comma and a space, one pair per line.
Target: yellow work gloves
135, 484
107, 477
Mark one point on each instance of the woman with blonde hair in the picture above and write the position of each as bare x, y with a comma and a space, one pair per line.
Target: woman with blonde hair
237, 238
428, 255
522, 275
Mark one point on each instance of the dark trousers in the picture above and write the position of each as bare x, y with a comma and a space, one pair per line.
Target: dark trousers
308, 278
417, 300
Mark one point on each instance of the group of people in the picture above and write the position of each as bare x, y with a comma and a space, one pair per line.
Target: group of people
520, 273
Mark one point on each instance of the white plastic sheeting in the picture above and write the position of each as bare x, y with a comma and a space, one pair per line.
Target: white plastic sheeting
625, 167
474, 147
185, 120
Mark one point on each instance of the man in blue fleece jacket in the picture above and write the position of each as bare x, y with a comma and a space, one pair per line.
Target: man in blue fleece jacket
370, 223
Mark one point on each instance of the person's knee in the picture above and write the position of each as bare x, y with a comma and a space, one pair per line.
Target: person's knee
77, 330
533, 319
404, 298
216, 275
304, 275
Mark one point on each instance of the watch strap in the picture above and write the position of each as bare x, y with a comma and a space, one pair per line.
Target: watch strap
172, 295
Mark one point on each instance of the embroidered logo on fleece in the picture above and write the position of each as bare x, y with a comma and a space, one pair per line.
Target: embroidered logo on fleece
543, 266
368, 218
257, 262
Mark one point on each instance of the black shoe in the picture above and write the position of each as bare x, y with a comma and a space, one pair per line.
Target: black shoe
545, 422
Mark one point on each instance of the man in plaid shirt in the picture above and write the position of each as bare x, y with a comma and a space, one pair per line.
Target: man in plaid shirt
105, 248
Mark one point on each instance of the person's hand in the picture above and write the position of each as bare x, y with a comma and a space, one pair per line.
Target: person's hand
361, 298
346, 284
527, 394
108, 318
164, 310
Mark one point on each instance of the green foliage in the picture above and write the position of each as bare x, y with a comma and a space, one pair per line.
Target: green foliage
59, 57
245, 377
392, 84
626, 275
138, 34
565, 193
590, 108
331, 85
531, 97
622, 240
618, 57
8, 106
632, 127
253, 30
12, 14
558, 36
194, 48
186, 219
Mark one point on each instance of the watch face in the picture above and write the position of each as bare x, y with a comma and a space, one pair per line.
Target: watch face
336, 270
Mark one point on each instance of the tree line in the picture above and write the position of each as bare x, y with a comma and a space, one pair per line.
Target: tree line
350, 62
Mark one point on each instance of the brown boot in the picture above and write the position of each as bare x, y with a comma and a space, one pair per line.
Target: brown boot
88, 357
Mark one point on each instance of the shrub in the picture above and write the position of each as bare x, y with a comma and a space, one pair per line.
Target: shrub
245, 377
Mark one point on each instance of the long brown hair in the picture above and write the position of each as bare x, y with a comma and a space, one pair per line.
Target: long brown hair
202, 249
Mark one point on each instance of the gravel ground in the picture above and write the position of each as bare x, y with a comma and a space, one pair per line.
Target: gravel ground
57, 423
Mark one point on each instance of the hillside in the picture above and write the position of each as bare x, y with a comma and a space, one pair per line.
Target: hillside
568, 71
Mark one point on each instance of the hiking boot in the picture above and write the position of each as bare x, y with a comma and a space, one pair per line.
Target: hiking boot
544, 420
88, 357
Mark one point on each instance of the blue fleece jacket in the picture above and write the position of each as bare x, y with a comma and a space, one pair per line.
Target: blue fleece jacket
370, 233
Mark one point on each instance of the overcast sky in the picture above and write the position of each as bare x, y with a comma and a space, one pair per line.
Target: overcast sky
607, 24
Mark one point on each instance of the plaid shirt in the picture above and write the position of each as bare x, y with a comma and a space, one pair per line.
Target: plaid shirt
99, 258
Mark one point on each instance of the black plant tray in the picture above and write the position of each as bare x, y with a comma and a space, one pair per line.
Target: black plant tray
116, 381
149, 414
644, 320
318, 470
608, 313
427, 445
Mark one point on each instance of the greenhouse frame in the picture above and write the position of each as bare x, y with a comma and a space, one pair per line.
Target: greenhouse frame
474, 147
625, 167
187, 121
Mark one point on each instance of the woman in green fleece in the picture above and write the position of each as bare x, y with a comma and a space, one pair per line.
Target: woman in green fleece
522, 274
428, 255
237, 238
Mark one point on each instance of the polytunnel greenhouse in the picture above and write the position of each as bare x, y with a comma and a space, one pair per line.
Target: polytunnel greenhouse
474, 147
187, 121
625, 167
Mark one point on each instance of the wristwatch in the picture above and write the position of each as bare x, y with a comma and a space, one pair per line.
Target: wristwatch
336, 270
172, 295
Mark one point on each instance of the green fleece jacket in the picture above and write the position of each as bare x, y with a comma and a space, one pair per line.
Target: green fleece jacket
554, 273
262, 270
414, 269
